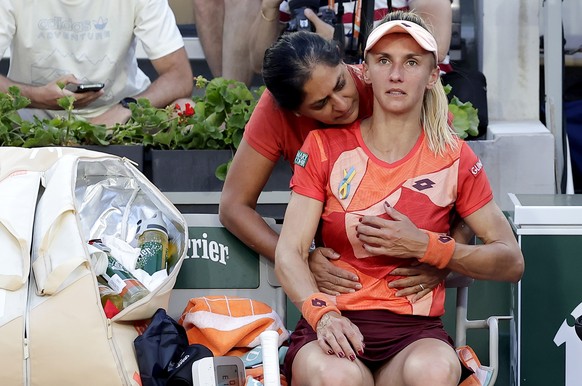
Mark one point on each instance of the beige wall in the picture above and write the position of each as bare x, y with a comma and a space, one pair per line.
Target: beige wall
183, 10
511, 58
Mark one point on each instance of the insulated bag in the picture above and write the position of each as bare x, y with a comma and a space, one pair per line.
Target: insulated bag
53, 329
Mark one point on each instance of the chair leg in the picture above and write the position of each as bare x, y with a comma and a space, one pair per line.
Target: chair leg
491, 323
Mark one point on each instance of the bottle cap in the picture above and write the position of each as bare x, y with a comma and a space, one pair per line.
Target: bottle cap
156, 222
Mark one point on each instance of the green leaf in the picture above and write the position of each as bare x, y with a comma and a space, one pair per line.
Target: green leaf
221, 170
465, 117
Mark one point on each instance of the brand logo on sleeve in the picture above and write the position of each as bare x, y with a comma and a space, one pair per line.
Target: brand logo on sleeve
301, 158
475, 169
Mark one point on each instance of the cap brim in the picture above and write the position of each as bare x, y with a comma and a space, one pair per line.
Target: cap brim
418, 33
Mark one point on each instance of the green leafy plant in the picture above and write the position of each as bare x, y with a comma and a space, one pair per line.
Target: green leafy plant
465, 118
215, 120
64, 130
11, 124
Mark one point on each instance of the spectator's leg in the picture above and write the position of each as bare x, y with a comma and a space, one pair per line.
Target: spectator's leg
209, 19
238, 20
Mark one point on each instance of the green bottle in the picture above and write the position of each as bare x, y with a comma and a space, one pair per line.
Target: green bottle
153, 243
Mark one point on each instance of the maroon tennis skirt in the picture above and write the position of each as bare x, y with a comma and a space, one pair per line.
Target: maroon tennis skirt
385, 335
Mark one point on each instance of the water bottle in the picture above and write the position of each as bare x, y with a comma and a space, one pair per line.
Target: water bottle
119, 279
153, 243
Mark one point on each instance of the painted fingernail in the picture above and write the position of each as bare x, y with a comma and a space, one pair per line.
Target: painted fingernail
360, 219
361, 352
330, 352
341, 354
352, 357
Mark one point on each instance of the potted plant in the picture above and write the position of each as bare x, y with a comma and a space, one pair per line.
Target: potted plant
212, 126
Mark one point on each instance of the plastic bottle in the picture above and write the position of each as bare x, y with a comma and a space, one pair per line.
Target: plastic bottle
153, 243
119, 279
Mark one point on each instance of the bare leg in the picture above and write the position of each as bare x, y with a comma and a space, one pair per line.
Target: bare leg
312, 366
424, 362
238, 20
209, 19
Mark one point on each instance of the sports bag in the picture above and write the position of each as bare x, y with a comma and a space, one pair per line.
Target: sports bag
53, 327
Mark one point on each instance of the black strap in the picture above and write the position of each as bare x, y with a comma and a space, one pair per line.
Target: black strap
389, 5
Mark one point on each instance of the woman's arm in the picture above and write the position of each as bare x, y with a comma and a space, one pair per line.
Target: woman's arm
498, 258
334, 332
291, 265
425, 274
244, 182
438, 14
264, 31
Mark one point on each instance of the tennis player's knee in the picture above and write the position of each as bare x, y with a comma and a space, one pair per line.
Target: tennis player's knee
346, 375
440, 370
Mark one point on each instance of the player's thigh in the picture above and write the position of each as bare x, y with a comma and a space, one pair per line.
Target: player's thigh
312, 366
425, 360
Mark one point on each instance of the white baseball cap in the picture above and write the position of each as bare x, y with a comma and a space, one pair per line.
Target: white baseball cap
421, 35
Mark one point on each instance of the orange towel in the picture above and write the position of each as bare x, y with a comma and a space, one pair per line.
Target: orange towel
225, 323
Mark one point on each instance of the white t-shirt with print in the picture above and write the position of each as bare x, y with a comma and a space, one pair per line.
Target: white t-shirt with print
95, 40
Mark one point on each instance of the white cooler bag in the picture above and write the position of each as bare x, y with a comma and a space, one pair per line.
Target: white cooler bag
53, 330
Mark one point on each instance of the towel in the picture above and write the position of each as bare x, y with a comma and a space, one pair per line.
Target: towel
229, 325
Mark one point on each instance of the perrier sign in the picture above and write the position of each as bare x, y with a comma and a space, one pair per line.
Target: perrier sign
217, 259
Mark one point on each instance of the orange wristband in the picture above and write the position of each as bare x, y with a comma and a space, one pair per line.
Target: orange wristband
439, 251
315, 306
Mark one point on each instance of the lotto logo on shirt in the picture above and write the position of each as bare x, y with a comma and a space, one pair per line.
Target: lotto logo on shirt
301, 158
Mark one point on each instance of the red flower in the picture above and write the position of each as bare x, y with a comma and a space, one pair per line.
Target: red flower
189, 110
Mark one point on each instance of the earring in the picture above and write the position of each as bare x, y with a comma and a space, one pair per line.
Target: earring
296, 114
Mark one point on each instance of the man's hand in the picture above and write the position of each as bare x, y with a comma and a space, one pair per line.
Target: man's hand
420, 279
46, 97
115, 114
330, 279
321, 28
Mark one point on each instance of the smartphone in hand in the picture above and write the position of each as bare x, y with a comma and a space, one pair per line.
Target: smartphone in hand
84, 87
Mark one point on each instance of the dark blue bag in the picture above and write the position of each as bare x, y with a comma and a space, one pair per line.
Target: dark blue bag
163, 354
